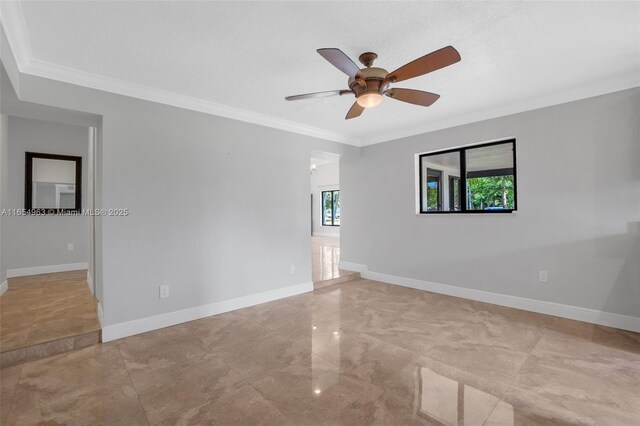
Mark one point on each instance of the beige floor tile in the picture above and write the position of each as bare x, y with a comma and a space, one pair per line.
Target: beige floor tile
90, 385
167, 392
226, 330
44, 308
317, 393
8, 381
272, 352
355, 353
236, 406
161, 348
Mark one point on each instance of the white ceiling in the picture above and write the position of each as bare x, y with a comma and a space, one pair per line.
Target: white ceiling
243, 58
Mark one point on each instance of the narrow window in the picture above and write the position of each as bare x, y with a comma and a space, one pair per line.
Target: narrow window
454, 193
434, 189
471, 179
331, 208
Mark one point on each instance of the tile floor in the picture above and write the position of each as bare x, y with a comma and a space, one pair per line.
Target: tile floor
46, 308
325, 258
356, 353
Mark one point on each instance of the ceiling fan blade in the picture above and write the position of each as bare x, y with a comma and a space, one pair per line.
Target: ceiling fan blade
341, 61
318, 95
354, 111
417, 97
426, 64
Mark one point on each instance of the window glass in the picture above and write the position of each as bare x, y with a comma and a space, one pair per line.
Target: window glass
473, 179
437, 171
331, 208
490, 178
336, 207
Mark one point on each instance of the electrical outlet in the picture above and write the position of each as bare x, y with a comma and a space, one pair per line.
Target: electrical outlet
544, 276
164, 291
292, 269
70, 247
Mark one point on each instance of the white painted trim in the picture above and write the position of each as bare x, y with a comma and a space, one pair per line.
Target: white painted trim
81, 78
350, 266
100, 315
623, 82
4, 287
143, 325
326, 234
592, 316
36, 270
15, 28
90, 282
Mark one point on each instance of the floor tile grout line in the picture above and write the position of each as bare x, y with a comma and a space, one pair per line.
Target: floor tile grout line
13, 394
267, 399
515, 376
126, 369
271, 403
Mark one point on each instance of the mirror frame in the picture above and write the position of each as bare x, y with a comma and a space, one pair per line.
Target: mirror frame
28, 182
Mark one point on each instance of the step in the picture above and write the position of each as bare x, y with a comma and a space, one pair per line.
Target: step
47, 349
348, 276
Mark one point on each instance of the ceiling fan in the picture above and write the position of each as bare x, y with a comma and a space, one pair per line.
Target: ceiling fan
369, 84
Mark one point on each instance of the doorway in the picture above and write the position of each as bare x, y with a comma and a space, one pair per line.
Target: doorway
325, 219
49, 305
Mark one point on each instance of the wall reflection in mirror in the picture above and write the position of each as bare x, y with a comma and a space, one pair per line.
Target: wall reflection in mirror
52, 182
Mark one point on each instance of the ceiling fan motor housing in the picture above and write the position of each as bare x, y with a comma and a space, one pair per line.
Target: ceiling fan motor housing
371, 81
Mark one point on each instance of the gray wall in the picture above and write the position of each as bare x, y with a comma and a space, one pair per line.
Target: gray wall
578, 200
207, 215
325, 178
31, 241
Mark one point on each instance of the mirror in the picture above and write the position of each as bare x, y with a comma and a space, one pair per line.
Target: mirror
52, 182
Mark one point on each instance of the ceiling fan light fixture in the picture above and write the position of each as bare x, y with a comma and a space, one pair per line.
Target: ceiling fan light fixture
369, 99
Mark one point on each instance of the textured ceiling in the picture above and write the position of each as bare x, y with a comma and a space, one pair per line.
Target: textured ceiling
251, 55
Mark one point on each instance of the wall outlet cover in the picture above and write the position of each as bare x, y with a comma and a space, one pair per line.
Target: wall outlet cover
70, 247
544, 276
164, 291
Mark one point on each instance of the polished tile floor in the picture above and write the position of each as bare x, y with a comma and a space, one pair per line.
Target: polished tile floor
44, 308
356, 353
325, 258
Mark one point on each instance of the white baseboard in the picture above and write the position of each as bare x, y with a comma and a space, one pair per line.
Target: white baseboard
142, 325
350, 266
4, 287
36, 270
100, 315
577, 313
326, 234
90, 282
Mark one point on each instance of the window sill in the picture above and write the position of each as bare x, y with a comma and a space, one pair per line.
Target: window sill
473, 213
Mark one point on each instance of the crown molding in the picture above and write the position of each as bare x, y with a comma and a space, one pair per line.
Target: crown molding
52, 71
12, 20
624, 82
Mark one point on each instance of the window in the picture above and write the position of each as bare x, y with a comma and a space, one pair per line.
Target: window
472, 179
434, 189
331, 208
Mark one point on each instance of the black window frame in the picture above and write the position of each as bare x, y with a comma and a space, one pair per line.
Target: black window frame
333, 207
454, 182
463, 179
